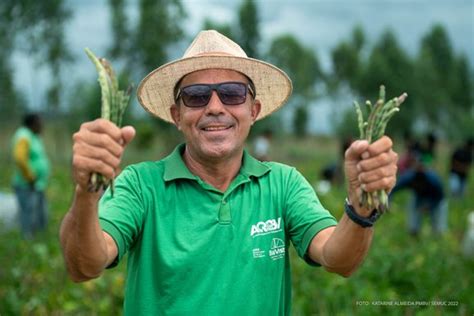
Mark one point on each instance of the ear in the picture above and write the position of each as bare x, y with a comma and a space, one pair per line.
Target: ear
255, 110
174, 111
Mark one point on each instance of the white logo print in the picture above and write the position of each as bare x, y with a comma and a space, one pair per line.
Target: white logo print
277, 250
267, 227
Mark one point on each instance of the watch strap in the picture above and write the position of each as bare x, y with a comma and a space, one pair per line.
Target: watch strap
356, 218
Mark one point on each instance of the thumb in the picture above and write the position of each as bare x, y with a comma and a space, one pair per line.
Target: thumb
128, 133
356, 150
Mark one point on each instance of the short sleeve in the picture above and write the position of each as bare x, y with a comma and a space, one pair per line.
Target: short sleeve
122, 215
305, 216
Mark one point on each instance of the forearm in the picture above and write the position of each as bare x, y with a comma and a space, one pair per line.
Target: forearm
82, 239
346, 247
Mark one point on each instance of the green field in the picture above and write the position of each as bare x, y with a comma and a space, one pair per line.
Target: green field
400, 276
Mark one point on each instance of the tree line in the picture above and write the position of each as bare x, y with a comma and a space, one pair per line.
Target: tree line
438, 80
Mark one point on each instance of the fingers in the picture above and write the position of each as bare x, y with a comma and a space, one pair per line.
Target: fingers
385, 184
96, 141
101, 153
379, 146
98, 147
93, 165
103, 126
378, 168
378, 161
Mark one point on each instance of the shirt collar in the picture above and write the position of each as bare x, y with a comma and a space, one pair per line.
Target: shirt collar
175, 168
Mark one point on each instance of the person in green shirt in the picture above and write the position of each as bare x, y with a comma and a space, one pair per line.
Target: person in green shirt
207, 229
30, 176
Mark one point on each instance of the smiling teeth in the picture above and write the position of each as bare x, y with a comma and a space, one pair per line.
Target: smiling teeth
215, 128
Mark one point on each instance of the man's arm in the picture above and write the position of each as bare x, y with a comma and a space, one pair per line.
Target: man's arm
87, 250
342, 249
21, 153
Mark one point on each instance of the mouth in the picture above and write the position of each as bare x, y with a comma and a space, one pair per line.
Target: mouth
216, 128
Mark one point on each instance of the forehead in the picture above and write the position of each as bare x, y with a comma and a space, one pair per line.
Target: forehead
213, 76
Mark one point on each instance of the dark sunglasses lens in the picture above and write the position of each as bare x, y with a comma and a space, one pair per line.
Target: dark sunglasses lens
232, 93
196, 95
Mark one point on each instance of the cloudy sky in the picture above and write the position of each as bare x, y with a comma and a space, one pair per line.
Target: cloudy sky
319, 24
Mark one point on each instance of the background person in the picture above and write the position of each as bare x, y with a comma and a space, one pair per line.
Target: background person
428, 197
461, 161
262, 145
30, 177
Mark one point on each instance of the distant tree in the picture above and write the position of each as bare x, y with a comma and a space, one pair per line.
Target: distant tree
11, 102
223, 28
160, 25
388, 64
302, 65
358, 40
300, 121
37, 28
444, 84
120, 29
450, 78
56, 52
438, 46
462, 92
249, 37
347, 61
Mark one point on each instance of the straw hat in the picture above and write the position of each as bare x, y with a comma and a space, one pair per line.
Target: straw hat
211, 49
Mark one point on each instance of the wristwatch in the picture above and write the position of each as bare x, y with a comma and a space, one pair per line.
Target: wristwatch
356, 218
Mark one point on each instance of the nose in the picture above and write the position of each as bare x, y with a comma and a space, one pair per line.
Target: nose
215, 106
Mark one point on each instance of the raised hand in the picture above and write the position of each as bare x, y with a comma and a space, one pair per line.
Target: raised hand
369, 167
98, 147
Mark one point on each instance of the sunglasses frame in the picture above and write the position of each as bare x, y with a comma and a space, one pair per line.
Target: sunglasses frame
249, 88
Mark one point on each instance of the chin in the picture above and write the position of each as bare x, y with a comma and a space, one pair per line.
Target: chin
217, 151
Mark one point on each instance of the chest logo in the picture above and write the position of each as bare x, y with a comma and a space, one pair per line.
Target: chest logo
266, 227
277, 249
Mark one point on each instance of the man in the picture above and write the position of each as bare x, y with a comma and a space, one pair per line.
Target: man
31, 175
262, 145
428, 197
207, 229
461, 161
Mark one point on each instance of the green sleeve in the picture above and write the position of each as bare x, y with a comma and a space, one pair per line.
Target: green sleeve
305, 216
122, 215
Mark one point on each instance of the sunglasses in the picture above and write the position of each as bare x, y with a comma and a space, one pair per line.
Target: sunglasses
230, 93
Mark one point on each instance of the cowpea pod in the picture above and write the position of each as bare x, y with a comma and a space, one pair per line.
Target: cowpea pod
372, 129
113, 104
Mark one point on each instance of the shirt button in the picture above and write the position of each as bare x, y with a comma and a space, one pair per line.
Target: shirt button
224, 201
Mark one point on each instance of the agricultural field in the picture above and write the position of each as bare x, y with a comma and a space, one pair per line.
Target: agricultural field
400, 276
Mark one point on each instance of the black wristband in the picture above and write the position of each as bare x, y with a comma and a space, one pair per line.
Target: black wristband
356, 218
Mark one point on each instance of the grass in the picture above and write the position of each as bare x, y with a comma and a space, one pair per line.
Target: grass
400, 276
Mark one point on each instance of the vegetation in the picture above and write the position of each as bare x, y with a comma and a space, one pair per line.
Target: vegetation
398, 269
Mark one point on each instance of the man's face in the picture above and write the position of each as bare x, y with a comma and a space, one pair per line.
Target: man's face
215, 131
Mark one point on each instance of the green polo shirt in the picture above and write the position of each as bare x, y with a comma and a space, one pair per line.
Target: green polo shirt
37, 160
194, 250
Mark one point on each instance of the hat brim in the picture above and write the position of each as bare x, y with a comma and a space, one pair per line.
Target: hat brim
155, 92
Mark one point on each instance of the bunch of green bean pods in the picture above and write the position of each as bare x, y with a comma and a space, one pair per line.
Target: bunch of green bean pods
371, 130
113, 104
